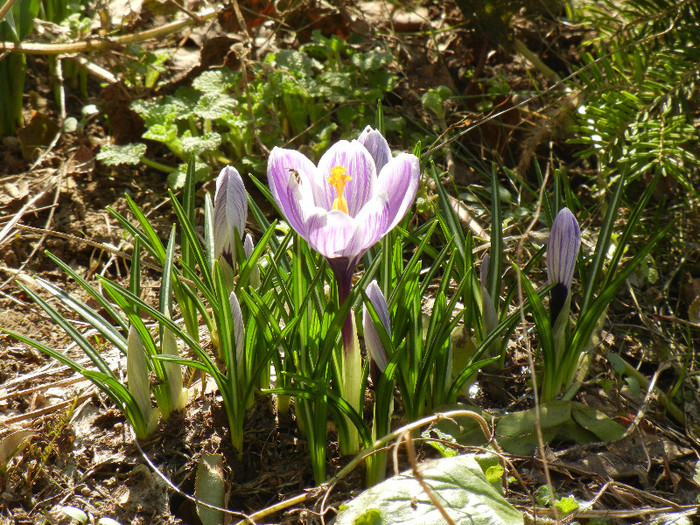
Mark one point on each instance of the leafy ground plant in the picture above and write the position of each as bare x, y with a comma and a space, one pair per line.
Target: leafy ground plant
304, 94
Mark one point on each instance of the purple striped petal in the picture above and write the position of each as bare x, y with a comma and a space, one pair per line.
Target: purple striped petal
230, 212
373, 224
377, 146
331, 233
359, 164
562, 248
336, 235
290, 175
399, 181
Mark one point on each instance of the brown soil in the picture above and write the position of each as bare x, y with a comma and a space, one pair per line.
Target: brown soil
83, 454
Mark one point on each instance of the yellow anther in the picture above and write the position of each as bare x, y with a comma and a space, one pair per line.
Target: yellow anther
338, 180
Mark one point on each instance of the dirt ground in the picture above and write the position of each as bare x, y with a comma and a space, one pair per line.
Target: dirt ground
82, 453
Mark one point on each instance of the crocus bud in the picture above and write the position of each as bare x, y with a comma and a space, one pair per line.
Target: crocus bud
372, 340
230, 214
377, 146
238, 327
484, 271
248, 245
173, 374
562, 250
139, 384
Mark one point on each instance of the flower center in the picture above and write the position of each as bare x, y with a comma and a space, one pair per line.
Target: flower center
338, 180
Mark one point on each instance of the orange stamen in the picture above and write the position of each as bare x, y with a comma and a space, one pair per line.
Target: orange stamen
338, 180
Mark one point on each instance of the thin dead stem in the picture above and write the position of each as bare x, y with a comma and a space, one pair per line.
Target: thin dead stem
166, 479
13, 224
528, 348
101, 44
6, 8
411, 451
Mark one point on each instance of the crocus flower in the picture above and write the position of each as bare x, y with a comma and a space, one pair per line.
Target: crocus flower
344, 205
376, 470
562, 250
372, 340
230, 214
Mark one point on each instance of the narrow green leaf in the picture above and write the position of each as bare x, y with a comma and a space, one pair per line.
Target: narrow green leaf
95, 320
108, 307
78, 337
496, 268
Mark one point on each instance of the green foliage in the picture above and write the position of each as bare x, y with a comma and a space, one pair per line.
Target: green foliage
516, 432
303, 94
14, 28
130, 154
459, 484
145, 67
640, 85
17, 25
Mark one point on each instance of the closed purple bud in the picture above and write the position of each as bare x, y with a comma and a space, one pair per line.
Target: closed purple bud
230, 213
238, 327
377, 146
484, 271
562, 248
372, 340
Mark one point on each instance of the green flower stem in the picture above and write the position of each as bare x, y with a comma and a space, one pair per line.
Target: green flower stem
521, 48
157, 165
578, 373
383, 442
351, 387
376, 465
676, 413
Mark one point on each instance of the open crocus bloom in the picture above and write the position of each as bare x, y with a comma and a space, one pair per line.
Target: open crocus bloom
344, 205
353, 198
